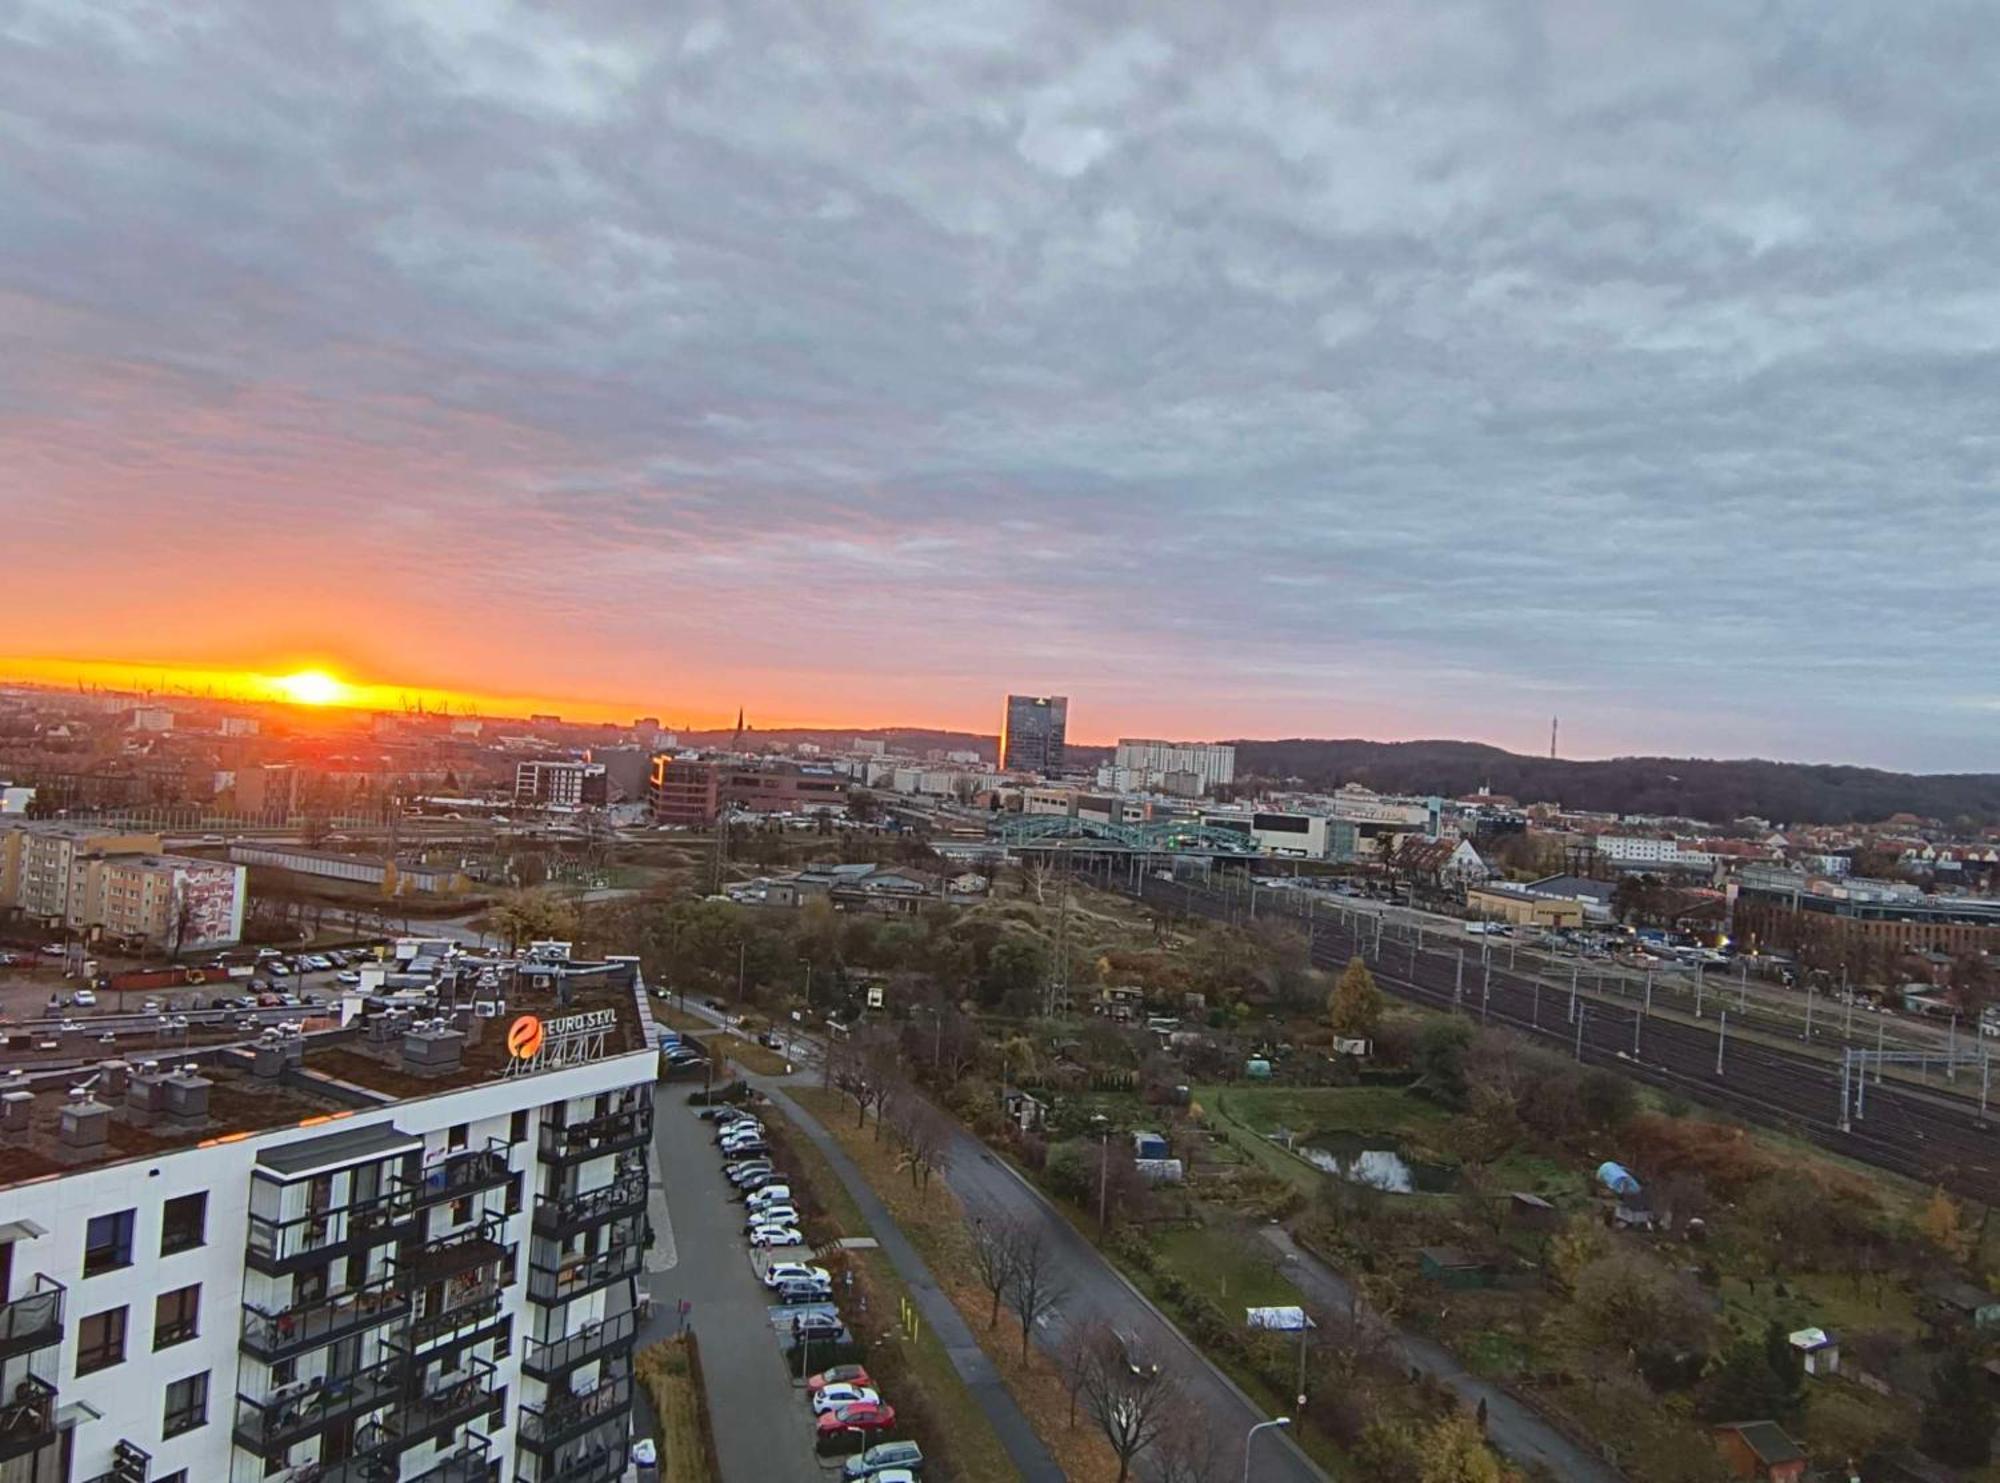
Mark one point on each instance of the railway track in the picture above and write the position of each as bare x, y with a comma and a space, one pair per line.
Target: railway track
1924, 1136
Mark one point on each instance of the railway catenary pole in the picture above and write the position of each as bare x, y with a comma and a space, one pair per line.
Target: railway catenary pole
1458, 981
1572, 991
1580, 1015
1486, 991
1721, 1037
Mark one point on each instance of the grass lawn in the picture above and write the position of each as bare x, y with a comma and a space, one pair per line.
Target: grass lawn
1223, 1266
1390, 1111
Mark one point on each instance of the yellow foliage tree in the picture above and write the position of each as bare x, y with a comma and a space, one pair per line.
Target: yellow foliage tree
1943, 1228
1578, 1244
1355, 1005
1454, 1452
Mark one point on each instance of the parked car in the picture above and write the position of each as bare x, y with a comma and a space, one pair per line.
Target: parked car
779, 1272
863, 1420
883, 1460
350, 978
845, 1393
768, 1236
773, 1215
55, 950
740, 1140
84, 999
754, 1147
802, 1291
773, 1193
817, 1322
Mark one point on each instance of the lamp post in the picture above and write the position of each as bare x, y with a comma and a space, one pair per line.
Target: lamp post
1251, 1436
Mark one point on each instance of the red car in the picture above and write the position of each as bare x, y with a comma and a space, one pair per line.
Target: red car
839, 1375
879, 1417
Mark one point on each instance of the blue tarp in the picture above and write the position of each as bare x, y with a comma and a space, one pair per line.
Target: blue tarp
1617, 1178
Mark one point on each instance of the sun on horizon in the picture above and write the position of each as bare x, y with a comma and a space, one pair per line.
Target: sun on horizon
311, 687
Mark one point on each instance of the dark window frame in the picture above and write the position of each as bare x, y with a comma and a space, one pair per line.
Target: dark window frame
177, 1330
173, 1237
191, 1416
116, 1254
92, 1358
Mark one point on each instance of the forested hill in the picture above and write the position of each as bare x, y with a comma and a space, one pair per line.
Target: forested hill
1719, 791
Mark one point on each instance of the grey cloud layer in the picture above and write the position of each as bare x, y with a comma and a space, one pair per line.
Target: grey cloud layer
1466, 357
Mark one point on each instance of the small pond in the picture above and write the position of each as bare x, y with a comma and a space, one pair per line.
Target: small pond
1358, 1158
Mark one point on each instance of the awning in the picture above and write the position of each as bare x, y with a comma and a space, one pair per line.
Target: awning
330, 1151
20, 1230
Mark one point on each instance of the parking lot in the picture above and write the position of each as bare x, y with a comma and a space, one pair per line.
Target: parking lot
764, 1419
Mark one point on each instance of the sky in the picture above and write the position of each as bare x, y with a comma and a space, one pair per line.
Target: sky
1337, 369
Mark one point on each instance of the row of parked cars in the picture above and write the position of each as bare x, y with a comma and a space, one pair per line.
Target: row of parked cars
848, 1410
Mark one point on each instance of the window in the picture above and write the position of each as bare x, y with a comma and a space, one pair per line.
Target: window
100, 1341
517, 1126
107, 1245
187, 1405
179, 1477
460, 1135
186, 1221
175, 1315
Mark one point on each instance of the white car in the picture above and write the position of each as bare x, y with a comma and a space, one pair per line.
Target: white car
779, 1272
770, 1194
772, 1215
776, 1235
832, 1397
84, 999
737, 1140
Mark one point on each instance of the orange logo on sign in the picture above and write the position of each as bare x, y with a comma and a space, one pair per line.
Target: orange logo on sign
524, 1038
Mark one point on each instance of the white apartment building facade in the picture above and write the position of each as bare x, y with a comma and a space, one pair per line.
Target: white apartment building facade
439, 1288
1146, 763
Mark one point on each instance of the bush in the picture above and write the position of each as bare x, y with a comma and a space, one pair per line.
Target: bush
1070, 1171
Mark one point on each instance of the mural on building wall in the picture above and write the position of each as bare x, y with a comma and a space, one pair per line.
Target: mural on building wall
202, 908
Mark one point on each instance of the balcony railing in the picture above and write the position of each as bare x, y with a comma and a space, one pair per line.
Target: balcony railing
34, 1320
468, 1313
564, 1418
28, 1418
279, 1246
445, 1256
274, 1336
443, 1405
469, 1463
547, 1362
293, 1413
594, 1137
575, 1276
467, 1172
625, 1195
597, 1460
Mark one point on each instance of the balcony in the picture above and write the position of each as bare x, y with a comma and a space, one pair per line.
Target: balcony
278, 1247
28, 1420
549, 1362
468, 1464
468, 1314
34, 1320
446, 1256
270, 1337
625, 1195
595, 1137
599, 1459
292, 1413
467, 1172
358, 1469
573, 1277
564, 1418
445, 1404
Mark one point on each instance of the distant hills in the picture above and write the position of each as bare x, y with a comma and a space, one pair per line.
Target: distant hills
1700, 788
1719, 791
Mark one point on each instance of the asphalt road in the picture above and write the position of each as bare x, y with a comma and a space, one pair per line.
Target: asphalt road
763, 1427
1510, 1426
1922, 1135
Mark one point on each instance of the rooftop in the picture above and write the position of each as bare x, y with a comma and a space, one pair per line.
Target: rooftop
280, 1077
1766, 1439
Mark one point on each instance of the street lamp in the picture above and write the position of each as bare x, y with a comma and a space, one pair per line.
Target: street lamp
806, 963
1251, 1436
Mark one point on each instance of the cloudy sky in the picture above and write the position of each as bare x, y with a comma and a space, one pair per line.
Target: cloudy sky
1253, 369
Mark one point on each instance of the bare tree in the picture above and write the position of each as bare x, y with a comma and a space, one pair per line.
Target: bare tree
995, 1246
926, 1142
1035, 1287
1189, 1449
1131, 1403
1076, 1353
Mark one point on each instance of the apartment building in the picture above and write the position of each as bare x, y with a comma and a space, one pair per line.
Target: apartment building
113, 886
380, 1254
42, 862
560, 785
1184, 769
